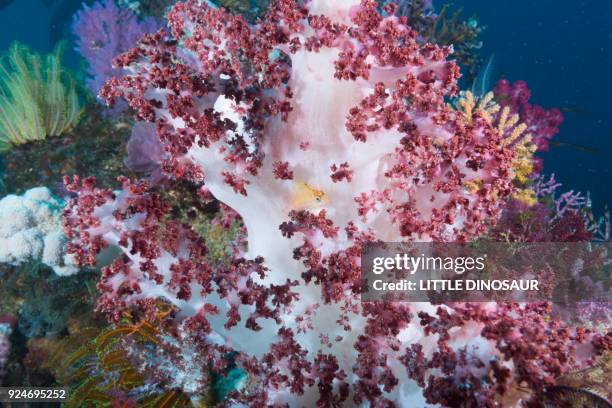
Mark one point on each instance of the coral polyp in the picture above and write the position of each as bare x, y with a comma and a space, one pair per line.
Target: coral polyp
38, 98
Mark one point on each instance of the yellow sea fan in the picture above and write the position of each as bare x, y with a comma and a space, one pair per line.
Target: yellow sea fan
525, 195
522, 164
513, 133
507, 126
473, 185
524, 149
523, 161
469, 107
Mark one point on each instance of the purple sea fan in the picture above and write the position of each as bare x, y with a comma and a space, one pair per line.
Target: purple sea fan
104, 31
145, 151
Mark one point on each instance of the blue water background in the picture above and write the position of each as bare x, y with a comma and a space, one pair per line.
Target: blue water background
561, 48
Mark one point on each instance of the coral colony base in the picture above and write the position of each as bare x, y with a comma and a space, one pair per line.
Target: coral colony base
321, 127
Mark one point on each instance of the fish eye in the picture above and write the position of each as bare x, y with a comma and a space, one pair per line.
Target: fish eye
318, 198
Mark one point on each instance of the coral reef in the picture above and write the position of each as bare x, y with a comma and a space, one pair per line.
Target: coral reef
461, 372
40, 306
103, 31
31, 230
445, 27
538, 126
508, 125
44, 301
320, 128
218, 233
37, 97
550, 217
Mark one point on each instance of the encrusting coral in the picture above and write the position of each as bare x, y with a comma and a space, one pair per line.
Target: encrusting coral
320, 128
38, 98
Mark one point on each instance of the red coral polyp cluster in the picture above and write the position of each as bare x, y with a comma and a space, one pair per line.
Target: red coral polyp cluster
162, 254
214, 58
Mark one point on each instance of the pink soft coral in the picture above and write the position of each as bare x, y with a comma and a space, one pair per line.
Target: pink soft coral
323, 127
